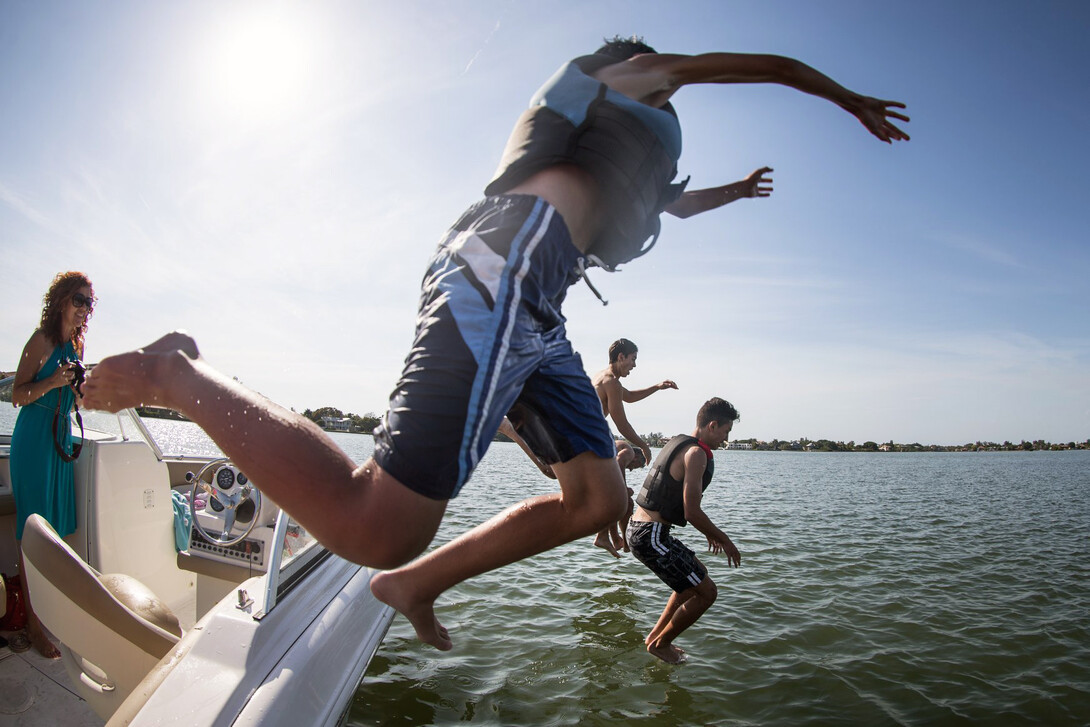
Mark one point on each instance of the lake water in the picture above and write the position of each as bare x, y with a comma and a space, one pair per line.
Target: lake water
875, 589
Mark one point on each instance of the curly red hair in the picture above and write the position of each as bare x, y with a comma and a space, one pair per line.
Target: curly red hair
63, 287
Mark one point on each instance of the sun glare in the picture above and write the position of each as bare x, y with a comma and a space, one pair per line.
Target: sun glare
255, 68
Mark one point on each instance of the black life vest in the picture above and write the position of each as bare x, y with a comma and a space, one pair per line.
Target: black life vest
663, 494
576, 119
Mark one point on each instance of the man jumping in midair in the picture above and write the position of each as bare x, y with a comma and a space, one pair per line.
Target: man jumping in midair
587, 171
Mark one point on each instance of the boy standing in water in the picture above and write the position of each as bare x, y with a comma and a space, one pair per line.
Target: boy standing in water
672, 495
587, 171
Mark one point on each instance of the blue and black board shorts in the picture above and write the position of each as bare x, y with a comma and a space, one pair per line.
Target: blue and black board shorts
671, 560
490, 340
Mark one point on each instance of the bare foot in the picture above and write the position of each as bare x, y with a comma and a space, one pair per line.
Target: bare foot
668, 653
602, 540
41, 642
131, 379
388, 588
617, 537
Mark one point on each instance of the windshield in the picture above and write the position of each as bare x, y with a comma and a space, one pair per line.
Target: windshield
7, 411
292, 562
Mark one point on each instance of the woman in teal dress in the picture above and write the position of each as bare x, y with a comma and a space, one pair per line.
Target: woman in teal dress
41, 479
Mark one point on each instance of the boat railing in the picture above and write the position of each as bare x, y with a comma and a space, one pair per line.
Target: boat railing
298, 553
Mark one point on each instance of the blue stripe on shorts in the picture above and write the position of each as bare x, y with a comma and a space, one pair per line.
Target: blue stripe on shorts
490, 333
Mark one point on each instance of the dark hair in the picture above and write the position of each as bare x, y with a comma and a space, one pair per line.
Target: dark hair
624, 48
621, 347
63, 287
716, 410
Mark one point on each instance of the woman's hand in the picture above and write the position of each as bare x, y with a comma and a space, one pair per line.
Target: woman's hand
62, 376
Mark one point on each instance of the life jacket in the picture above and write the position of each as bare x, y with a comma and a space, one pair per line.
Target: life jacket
630, 148
663, 494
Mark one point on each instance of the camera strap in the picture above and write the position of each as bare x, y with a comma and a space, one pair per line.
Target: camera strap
56, 434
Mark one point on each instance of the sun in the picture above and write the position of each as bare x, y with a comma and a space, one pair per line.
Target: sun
255, 66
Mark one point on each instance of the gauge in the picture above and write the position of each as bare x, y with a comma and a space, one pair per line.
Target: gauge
225, 479
242, 478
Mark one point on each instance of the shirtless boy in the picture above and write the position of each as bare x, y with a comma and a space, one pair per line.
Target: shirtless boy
613, 395
586, 173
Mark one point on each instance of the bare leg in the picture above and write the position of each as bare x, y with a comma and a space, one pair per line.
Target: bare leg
612, 538
361, 513
624, 523
676, 599
591, 495
34, 630
681, 612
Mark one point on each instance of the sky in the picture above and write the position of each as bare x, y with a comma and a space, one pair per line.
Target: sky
273, 176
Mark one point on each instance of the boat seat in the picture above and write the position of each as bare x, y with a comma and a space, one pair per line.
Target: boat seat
113, 630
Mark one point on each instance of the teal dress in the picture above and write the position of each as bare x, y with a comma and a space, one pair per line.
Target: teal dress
42, 482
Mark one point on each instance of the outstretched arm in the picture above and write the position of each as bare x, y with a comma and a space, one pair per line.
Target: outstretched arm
653, 78
507, 429
631, 397
702, 200
692, 495
614, 395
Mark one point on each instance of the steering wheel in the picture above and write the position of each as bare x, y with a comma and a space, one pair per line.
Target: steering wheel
231, 490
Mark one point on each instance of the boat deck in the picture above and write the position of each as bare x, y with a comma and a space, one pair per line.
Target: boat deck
35, 691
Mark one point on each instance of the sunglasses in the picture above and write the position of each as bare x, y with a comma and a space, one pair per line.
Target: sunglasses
79, 300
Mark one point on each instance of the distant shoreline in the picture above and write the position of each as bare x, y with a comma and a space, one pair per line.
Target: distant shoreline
825, 445
656, 439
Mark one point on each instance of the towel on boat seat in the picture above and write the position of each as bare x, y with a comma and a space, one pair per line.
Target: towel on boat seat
183, 520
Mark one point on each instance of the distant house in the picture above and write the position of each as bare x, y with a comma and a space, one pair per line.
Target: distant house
336, 424
739, 445
884, 448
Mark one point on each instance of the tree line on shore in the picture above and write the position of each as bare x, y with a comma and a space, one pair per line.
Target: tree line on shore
362, 424
657, 439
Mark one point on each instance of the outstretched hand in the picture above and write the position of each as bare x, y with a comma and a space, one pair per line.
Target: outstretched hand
875, 114
734, 557
667, 384
757, 184
137, 377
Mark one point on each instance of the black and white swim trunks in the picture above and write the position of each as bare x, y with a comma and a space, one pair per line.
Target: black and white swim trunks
665, 555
